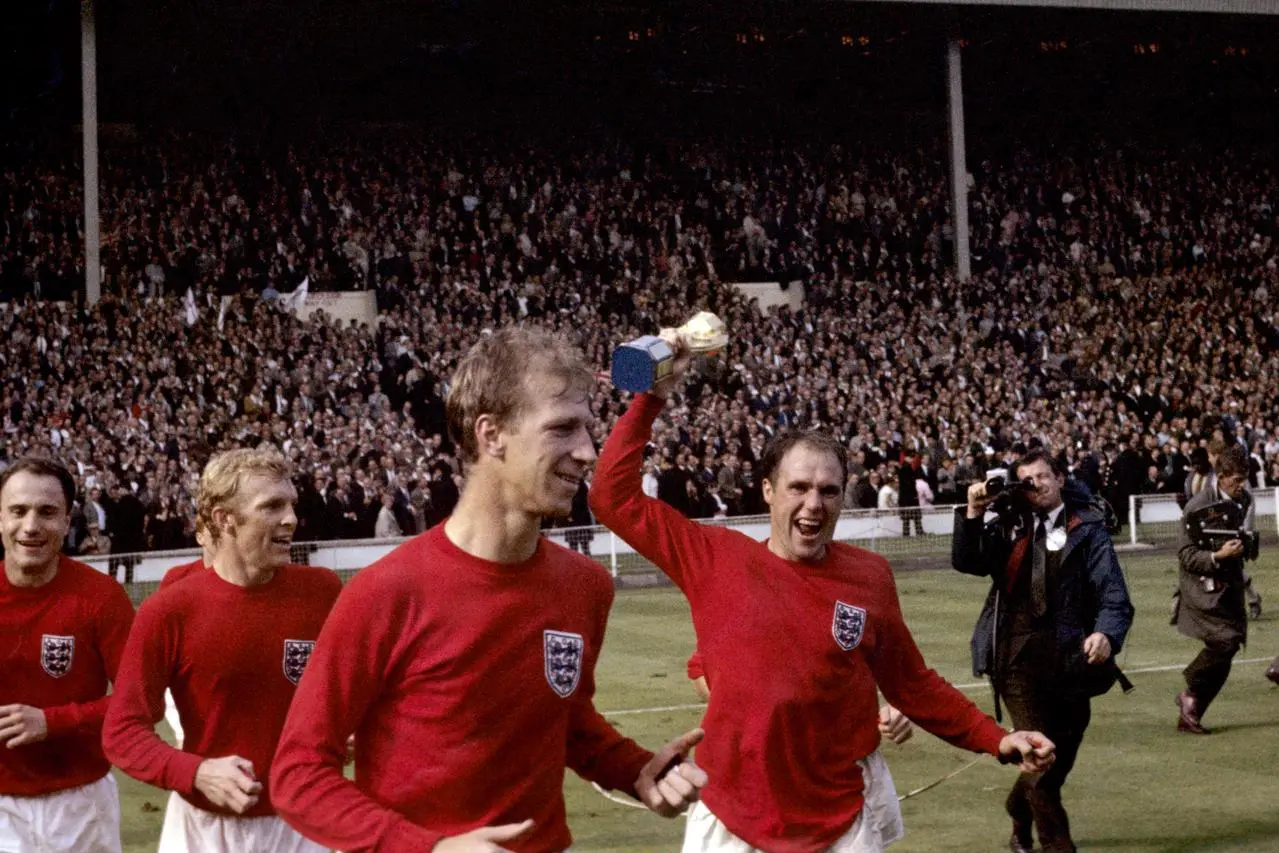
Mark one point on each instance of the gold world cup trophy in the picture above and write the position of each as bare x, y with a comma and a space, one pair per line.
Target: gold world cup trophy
640, 364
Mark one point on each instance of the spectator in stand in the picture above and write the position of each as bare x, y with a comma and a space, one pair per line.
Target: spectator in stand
387, 527
95, 543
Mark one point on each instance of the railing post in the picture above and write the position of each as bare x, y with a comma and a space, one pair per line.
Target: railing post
612, 553
1132, 519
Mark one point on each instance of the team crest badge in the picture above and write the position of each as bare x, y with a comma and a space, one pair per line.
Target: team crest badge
850, 623
563, 660
56, 654
296, 654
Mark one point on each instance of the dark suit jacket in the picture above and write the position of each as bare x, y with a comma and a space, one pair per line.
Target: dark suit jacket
1089, 594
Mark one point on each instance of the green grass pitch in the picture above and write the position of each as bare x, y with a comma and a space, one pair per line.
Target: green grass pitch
1138, 787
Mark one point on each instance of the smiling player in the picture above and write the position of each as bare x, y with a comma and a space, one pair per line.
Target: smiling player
64, 629
465, 658
232, 644
796, 633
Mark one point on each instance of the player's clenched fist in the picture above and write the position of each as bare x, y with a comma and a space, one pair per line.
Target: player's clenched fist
228, 782
669, 793
486, 839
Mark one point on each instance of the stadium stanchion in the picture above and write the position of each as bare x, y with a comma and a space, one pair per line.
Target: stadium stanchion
1132, 519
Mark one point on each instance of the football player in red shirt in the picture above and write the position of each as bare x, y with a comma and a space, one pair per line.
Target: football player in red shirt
465, 658
172, 576
232, 644
65, 626
796, 634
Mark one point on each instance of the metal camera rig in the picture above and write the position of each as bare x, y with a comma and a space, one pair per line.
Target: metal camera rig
1212, 526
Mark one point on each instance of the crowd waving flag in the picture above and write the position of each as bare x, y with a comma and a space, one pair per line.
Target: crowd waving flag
191, 312
297, 299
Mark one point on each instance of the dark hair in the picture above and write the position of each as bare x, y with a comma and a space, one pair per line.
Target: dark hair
1040, 454
1232, 462
779, 445
41, 467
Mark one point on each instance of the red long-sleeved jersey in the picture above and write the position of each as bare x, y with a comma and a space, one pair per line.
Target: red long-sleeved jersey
232, 655
60, 645
469, 686
793, 652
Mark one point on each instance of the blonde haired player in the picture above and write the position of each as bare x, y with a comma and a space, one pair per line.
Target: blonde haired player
65, 626
466, 656
232, 644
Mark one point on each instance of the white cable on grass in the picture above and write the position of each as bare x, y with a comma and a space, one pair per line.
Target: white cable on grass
933, 784
631, 804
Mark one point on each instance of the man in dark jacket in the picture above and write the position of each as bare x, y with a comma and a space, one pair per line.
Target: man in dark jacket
1211, 587
908, 497
1057, 613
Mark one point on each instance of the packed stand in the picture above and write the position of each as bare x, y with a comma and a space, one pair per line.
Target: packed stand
1122, 310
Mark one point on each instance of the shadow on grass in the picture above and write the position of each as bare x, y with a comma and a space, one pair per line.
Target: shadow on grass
1228, 837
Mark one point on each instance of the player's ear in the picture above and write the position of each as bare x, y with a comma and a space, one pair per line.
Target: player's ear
223, 519
490, 439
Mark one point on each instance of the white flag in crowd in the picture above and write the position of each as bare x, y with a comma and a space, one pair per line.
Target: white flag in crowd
295, 300
226, 301
191, 313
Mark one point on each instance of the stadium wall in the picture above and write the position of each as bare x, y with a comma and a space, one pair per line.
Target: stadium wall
1158, 523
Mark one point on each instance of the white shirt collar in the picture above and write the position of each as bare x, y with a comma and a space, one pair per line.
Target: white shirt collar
1054, 515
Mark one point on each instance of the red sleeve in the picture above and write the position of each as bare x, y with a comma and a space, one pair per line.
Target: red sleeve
919, 692
177, 573
355, 651
111, 629
128, 735
695, 668
596, 751
658, 531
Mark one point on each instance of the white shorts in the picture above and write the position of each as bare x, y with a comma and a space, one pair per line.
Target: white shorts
879, 824
78, 820
171, 717
188, 829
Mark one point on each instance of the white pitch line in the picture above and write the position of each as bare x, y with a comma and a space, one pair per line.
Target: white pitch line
972, 686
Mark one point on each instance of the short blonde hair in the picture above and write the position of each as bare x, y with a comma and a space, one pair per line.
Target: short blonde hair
224, 475
497, 378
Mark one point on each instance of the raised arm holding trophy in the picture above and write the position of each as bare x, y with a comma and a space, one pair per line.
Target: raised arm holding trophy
640, 364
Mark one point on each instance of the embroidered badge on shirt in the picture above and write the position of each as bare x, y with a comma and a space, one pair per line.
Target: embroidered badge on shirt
850, 623
56, 654
563, 660
296, 655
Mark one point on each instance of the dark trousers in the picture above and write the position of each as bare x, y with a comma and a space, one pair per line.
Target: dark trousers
912, 515
1208, 672
1036, 704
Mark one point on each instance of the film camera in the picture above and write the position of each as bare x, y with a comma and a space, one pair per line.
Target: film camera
1214, 525
1004, 491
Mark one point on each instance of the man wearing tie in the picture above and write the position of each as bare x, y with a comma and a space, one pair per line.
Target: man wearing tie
1057, 612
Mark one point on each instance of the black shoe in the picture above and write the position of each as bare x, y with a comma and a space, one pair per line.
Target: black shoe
1022, 840
1188, 718
1273, 674
1254, 608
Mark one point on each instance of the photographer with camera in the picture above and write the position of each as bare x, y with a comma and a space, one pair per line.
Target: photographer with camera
1057, 612
1217, 535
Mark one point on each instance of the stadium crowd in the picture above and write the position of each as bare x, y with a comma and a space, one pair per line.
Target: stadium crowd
1123, 310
